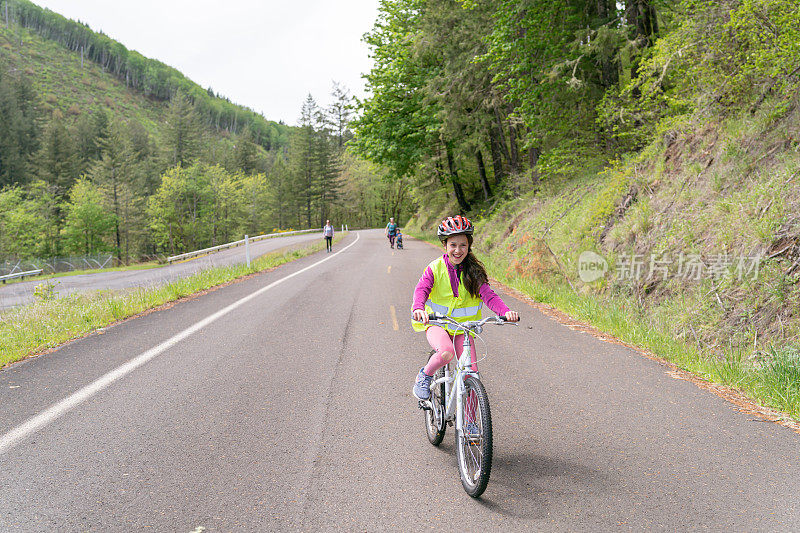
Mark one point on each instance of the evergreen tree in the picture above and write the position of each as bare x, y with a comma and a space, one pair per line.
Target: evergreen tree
18, 128
282, 199
327, 168
113, 174
49, 204
340, 112
183, 137
85, 140
246, 152
88, 134
57, 162
12, 157
145, 166
27, 104
303, 159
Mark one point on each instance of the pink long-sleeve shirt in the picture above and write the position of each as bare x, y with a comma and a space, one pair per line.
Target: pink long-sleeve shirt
485, 293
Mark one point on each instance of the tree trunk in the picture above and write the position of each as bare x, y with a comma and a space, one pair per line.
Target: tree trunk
513, 152
116, 230
497, 161
462, 201
608, 71
642, 15
533, 157
127, 238
487, 190
308, 197
116, 214
438, 167
171, 241
501, 137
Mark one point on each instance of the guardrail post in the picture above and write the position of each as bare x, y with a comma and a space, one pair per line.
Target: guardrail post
247, 249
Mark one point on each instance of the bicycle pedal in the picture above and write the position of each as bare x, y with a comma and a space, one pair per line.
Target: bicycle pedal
425, 405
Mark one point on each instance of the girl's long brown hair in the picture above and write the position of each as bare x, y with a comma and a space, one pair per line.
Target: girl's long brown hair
474, 271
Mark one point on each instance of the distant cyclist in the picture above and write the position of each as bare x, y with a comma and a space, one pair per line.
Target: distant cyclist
391, 231
327, 232
456, 285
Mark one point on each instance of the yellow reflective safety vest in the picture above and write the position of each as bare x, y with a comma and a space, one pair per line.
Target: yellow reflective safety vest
461, 308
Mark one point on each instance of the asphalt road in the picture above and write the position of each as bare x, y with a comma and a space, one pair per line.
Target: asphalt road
21, 293
293, 411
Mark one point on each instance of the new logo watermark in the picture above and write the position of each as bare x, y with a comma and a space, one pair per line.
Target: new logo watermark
591, 266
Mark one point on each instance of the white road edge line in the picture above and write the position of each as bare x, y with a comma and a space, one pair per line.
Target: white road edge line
50, 414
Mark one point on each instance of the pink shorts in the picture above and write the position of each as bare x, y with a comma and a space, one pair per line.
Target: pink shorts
441, 341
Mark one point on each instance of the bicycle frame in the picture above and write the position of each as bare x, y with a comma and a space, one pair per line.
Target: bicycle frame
463, 368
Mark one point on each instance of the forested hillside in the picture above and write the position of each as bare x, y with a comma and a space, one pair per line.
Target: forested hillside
104, 150
661, 135
146, 76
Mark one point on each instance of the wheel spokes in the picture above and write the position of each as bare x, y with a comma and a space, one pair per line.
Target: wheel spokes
471, 443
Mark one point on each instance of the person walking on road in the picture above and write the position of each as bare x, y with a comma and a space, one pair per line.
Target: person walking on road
327, 232
455, 284
391, 231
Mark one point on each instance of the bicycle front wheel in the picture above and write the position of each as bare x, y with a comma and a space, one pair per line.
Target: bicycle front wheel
474, 441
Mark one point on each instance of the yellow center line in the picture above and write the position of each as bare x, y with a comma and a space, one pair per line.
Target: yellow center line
389, 270
394, 318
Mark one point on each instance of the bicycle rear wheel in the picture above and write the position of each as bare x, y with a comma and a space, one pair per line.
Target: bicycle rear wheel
474, 441
434, 418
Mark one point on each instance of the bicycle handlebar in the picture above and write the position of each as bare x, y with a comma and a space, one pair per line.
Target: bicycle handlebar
444, 319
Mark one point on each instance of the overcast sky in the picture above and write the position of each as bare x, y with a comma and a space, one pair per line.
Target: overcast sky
264, 54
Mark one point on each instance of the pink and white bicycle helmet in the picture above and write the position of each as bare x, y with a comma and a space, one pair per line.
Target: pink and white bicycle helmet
456, 225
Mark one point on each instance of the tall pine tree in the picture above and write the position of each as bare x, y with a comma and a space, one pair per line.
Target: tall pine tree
183, 138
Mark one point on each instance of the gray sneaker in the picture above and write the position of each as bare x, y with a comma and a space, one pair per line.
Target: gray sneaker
422, 387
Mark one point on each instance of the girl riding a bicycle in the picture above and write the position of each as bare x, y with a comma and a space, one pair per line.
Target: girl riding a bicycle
455, 285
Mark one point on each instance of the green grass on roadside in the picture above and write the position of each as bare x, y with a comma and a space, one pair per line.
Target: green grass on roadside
773, 380
47, 323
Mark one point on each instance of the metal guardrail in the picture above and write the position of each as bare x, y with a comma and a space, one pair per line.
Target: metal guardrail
57, 264
188, 255
20, 275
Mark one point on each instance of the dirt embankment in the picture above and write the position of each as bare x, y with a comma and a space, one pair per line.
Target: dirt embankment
701, 233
